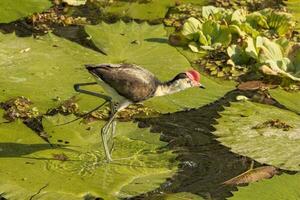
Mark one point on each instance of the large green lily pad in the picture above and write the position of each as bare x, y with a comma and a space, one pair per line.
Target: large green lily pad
13, 10
147, 46
278, 188
262, 132
77, 167
42, 69
291, 100
145, 10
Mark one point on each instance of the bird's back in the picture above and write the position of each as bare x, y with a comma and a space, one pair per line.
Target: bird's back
128, 80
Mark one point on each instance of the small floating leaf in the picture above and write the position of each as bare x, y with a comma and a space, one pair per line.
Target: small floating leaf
253, 175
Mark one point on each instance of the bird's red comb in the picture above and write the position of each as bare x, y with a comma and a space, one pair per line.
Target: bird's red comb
194, 75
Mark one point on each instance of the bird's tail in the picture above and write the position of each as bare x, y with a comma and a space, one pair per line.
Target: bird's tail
90, 67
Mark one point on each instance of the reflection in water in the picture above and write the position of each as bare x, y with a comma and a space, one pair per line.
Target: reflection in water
204, 163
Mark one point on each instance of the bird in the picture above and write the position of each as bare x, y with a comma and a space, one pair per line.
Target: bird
129, 84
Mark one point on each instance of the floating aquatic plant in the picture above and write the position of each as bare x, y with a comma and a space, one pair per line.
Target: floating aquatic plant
246, 37
18, 108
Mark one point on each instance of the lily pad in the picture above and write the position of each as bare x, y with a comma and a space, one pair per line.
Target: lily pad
29, 164
263, 133
291, 100
13, 10
147, 46
145, 10
279, 187
46, 70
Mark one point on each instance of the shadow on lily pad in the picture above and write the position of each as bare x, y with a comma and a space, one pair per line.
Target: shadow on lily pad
10, 149
204, 163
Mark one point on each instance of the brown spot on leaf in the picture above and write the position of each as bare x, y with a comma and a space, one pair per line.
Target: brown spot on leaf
18, 108
274, 123
129, 113
61, 157
53, 17
66, 107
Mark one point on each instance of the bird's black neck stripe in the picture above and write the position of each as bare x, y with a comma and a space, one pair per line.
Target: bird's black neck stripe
177, 77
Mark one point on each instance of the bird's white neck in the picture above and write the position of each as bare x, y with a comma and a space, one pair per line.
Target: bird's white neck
167, 88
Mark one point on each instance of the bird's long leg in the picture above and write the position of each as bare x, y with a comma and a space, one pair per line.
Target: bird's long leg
102, 96
112, 127
104, 132
105, 128
111, 122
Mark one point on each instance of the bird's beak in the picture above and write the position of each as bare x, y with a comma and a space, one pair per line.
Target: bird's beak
202, 86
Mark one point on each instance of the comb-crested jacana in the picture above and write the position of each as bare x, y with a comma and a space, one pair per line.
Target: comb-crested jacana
127, 84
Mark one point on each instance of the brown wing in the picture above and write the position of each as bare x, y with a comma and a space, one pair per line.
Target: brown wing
130, 81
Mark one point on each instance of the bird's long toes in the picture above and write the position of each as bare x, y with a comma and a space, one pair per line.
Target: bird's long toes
111, 148
104, 130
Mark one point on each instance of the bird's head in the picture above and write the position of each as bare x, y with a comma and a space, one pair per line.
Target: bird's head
188, 79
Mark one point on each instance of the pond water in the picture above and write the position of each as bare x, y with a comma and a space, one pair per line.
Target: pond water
179, 150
